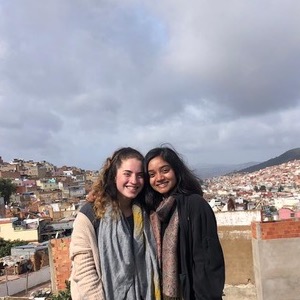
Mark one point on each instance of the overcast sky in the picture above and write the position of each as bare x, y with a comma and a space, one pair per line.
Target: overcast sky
219, 80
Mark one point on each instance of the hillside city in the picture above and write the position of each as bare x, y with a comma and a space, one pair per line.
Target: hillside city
277, 186
46, 191
47, 198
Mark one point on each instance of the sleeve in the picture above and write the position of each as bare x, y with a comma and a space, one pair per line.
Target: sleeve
86, 283
208, 260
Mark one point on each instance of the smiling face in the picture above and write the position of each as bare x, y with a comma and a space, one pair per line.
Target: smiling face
129, 179
162, 176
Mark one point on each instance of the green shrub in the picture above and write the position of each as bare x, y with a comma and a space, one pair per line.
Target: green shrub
63, 295
5, 246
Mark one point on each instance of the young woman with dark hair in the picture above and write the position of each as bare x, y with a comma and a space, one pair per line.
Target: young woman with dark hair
189, 251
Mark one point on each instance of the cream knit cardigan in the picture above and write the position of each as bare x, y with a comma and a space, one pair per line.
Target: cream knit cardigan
86, 283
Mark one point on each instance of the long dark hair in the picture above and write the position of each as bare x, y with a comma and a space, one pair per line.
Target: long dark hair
187, 182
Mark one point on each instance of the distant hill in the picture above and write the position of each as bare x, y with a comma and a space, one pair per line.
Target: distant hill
293, 154
214, 170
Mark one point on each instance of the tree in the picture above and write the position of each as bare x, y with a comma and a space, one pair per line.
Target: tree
5, 246
7, 188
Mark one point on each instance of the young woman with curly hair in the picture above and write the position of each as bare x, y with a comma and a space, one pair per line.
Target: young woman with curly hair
112, 246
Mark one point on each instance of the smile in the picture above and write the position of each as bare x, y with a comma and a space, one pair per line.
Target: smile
163, 184
132, 187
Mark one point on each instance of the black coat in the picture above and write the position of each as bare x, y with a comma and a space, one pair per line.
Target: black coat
202, 274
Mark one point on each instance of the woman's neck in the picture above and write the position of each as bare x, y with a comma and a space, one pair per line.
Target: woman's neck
126, 208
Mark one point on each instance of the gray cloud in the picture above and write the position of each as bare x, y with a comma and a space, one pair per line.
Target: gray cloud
219, 81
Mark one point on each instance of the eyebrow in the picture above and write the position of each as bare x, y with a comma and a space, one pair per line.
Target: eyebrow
133, 172
167, 165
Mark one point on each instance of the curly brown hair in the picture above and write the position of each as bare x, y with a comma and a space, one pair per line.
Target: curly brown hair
104, 190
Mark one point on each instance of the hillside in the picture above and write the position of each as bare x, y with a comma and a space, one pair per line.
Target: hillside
293, 154
214, 170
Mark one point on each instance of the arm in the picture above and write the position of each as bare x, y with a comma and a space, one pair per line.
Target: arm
86, 282
208, 261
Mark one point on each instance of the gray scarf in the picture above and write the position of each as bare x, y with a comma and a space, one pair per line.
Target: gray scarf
128, 262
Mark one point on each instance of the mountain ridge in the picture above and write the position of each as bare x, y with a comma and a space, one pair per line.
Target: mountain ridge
215, 170
292, 154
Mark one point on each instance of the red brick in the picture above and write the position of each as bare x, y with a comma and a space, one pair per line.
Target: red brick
275, 230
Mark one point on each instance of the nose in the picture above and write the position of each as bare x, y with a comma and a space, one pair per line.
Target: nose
159, 176
133, 179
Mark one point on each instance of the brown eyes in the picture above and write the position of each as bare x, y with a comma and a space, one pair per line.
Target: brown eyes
164, 170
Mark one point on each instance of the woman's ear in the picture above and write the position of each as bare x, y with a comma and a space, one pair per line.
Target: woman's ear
90, 197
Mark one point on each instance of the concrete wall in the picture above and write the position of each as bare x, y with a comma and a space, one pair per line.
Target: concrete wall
237, 248
276, 252
7, 232
234, 229
12, 287
237, 218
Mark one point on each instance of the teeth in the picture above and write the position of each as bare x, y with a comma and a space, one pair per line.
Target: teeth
132, 187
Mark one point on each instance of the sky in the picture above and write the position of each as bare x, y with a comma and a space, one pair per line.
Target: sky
219, 81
